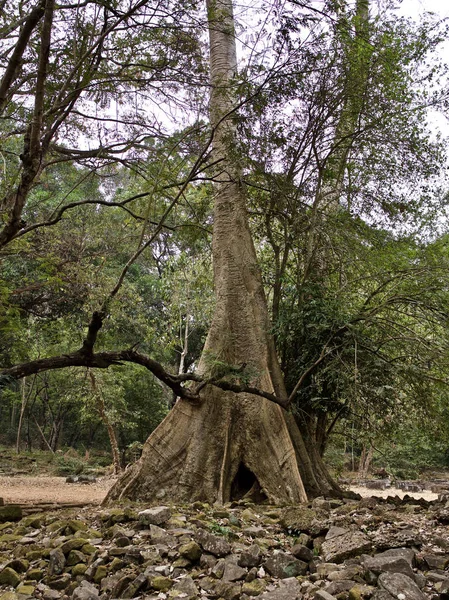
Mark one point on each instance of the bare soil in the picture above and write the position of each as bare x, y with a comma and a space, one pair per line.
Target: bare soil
35, 490
365, 492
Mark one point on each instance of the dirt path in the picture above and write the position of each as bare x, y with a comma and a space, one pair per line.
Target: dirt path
31, 490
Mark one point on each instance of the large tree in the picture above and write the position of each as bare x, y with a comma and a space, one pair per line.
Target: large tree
226, 444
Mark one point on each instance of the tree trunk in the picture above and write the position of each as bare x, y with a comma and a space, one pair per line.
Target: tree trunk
228, 445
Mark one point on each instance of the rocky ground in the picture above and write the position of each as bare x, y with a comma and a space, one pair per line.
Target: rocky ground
384, 549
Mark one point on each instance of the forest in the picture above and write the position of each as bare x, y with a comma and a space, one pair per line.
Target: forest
225, 226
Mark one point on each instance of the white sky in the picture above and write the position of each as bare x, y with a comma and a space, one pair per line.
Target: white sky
415, 7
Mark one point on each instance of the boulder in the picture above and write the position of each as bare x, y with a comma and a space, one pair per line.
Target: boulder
283, 566
400, 586
339, 548
10, 512
212, 543
155, 516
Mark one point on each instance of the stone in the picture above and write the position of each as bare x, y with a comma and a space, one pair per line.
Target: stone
61, 582
254, 588
79, 570
133, 588
283, 565
49, 594
25, 589
9, 596
9, 577
339, 548
392, 564
233, 572
218, 568
10, 512
86, 591
302, 552
288, 589
407, 553
35, 574
122, 541
73, 544
76, 525
155, 516
161, 583
251, 557
20, 565
436, 561
335, 532
254, 531
57, 562
323, 595
75, 557
400, 586
299, 519
337, 587
192, 551
187, 586
353, 572
212, 543
100, 572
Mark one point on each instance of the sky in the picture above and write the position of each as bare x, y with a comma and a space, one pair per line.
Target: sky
415, 7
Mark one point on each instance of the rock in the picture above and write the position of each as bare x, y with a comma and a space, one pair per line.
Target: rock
100, 572
79, 569
337, 587
400, 586
122, 541
218, 588
251, 557
289, 589
9, 577
254, 588
155, 516
254, 531
335, 532
25, 589
133, 588
233, 572
187, 586
86, 591
297, 519
9, 596
218, 568
20, 565
35, 574
323, 595
73, 544
302, 553
57, 562
75, 557
192, 551
436, 561
339, 548
213, 544
61, 582
353, 572
49, 594
161, 583
385, 563
10, 512
284, 565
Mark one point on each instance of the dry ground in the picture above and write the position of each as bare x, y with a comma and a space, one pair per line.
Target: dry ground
33, 490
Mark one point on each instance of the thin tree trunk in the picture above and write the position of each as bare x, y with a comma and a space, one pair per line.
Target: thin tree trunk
107, 423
